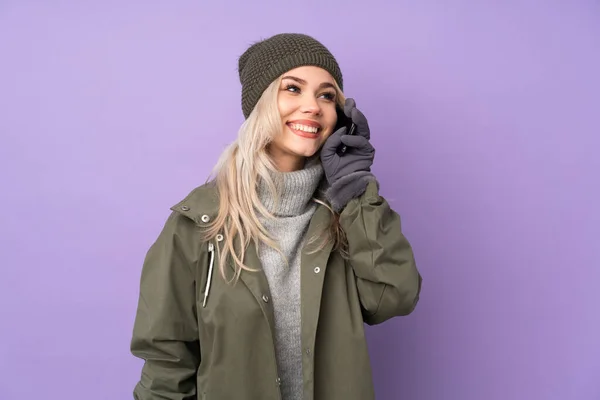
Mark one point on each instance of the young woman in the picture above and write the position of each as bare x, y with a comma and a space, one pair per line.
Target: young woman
260, 283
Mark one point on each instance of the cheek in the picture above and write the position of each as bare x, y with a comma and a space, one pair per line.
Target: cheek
332, 121
286, 105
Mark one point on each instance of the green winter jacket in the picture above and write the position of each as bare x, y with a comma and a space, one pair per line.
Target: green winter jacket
224, 349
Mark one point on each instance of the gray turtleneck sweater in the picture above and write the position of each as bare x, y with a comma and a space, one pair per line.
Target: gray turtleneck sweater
288, 229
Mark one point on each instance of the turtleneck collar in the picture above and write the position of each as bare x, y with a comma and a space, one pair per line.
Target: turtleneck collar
296, 189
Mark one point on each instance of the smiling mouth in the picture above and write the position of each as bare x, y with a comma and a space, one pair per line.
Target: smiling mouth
304, 131
304, 128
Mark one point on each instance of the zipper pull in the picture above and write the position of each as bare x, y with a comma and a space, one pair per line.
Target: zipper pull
211, 250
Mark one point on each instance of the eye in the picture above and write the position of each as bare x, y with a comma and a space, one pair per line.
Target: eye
292, 88
329, 95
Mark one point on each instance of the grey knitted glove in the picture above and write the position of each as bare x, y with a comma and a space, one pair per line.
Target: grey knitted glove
349, 173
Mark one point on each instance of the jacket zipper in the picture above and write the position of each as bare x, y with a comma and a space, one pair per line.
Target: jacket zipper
211, 251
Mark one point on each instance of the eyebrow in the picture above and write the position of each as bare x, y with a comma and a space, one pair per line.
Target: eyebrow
303, 82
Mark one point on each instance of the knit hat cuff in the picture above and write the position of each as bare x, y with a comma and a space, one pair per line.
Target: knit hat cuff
285, 64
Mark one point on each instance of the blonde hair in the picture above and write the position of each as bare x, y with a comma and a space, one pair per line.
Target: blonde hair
242, 165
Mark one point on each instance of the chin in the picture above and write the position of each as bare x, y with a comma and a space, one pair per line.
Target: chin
303, 148
305, 151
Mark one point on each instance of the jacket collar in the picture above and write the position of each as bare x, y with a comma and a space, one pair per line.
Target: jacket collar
201, 204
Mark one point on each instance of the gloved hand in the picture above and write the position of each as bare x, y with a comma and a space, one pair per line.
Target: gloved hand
349, 173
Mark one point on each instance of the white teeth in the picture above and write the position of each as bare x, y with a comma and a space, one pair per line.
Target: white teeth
304, 128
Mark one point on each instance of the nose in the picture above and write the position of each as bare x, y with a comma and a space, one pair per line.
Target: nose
310, 105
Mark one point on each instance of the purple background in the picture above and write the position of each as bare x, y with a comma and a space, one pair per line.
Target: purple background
485, 116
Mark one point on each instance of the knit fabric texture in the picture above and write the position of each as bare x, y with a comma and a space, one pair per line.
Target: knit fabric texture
293, 214
266, 60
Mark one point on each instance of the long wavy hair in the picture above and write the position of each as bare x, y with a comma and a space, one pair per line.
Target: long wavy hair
241, 166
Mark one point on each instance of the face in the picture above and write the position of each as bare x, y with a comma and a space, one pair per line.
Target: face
306, 101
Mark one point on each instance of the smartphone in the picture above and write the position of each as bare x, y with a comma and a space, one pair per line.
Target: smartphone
343, 120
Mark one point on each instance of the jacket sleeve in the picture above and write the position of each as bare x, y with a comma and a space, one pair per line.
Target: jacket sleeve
165, 333
388, 281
